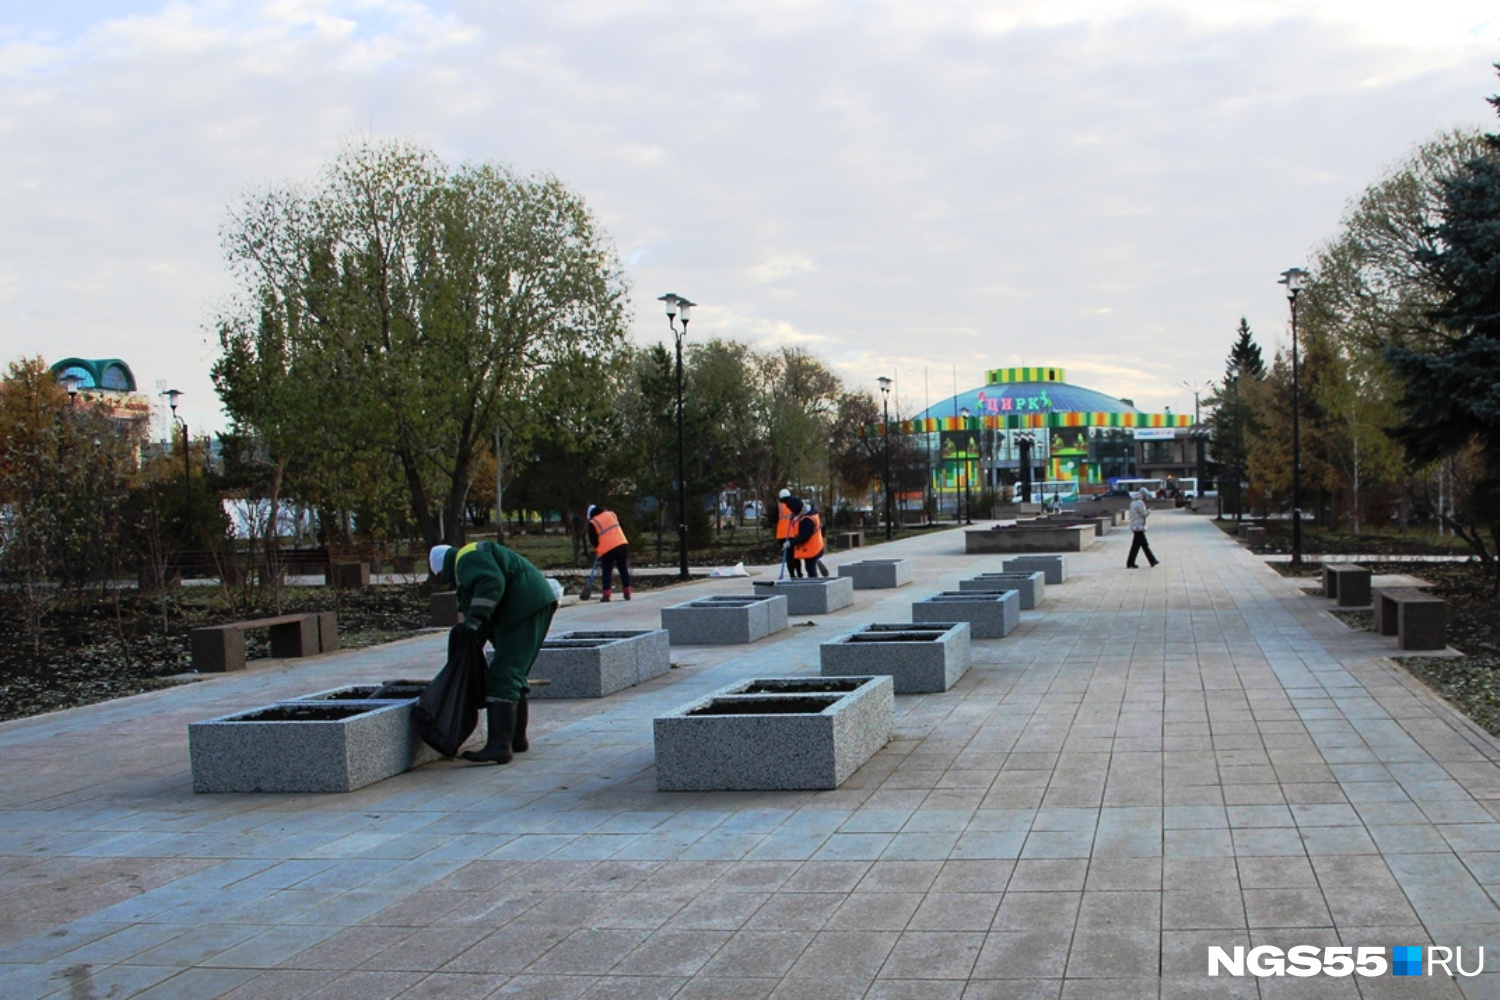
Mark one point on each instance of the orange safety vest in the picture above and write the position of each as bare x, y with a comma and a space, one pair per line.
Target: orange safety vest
813, 547
611, 535
784, 520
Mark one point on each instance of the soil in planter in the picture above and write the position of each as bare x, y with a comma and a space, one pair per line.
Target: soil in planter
308, 712
766, 706
894, 637
808, 684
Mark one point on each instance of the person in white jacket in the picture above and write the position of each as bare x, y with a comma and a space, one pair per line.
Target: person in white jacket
1138, 543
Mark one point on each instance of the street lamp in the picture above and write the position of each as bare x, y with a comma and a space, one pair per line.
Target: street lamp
1293, 278
1195, 388
187, 465
71, 382
968, 500
677, 306
885, 392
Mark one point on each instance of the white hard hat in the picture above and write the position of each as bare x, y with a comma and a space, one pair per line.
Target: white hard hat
590, 512
783, 494
435, 558
1145, 494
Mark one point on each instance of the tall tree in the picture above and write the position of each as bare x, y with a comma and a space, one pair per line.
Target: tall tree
1452, 389
419, 304
1232, 413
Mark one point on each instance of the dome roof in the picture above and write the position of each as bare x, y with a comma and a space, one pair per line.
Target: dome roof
1003, 398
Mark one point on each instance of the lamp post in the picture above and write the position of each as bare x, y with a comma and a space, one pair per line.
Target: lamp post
679, 307
968, 500
1293, 279
885, 392
187, 466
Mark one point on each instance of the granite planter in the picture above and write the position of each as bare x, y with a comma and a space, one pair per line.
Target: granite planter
774, 734
599, 662
306, 746
1031, 586
878, 574
1030, 538
1054, 567
919, 658
725, 620
810, 597
990, 616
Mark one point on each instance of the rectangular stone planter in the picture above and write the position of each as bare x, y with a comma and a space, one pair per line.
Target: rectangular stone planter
1042, 538
593, 664
1348, 584
878, 574
1031, 586
319, 746
919, 659
1055, 568
990, 616
774, 734
810, 597
406, 691
725, 620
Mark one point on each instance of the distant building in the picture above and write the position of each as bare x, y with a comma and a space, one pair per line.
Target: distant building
109, 384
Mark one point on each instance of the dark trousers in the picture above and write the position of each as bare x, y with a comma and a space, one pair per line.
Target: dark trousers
1138, 543
616, 558
793, 565
810, 566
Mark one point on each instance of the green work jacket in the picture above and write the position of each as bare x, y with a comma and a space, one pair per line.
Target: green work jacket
496, 587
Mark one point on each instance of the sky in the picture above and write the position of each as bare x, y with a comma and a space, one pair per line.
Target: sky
918, 190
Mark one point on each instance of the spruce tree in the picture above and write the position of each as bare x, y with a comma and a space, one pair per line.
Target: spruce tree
1233, 415
1452, 393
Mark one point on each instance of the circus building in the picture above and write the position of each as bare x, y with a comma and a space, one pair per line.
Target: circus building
983, 438
107, 383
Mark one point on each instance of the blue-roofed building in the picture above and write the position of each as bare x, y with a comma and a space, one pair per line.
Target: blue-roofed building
108, 383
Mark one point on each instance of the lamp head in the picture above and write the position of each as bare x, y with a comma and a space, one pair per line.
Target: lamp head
671, 299
1293, 278
172, 396
684, 309
71, 382
885, 384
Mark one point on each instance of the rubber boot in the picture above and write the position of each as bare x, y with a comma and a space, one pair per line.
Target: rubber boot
518, 741
627, 593
501, 716
604, 596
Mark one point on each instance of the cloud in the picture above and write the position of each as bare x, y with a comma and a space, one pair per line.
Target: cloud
1098, 184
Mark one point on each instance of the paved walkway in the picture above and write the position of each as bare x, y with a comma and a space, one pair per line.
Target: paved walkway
1156, 761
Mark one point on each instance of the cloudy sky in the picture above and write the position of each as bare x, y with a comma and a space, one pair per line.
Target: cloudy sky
1106, 185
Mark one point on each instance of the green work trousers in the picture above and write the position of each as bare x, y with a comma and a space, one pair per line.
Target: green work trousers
515, 652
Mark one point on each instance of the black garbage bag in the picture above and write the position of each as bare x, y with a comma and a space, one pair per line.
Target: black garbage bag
448, 710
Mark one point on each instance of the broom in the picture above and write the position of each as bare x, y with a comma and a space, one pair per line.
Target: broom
588, 588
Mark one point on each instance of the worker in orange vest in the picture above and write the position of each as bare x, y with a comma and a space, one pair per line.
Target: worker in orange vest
807, 541
611, 548
787, 509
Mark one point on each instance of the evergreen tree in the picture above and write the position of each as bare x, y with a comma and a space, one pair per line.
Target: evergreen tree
1452, 391
1233, 418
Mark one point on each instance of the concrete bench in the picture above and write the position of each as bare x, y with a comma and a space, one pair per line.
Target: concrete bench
1054, 567
1031, 586
221, 648
990, 616
599, 662
442, 609
1253, 536
919, 658
849, 539
774, 734
878, 574
1347, 583
810, 597
1416, 618
728, 619
348, 575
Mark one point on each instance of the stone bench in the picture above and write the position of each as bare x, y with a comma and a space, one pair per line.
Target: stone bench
1253, 536
348, 575
878, 574
1031, 586
990, 615
1416, 618
849, 539
725, 620
221, 648
1347, 583
774, 734
919, 658
593, 663
314, 745
810, 597
1054, 568
1030, 538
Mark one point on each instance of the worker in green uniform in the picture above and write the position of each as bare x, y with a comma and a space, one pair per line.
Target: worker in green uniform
507, 601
